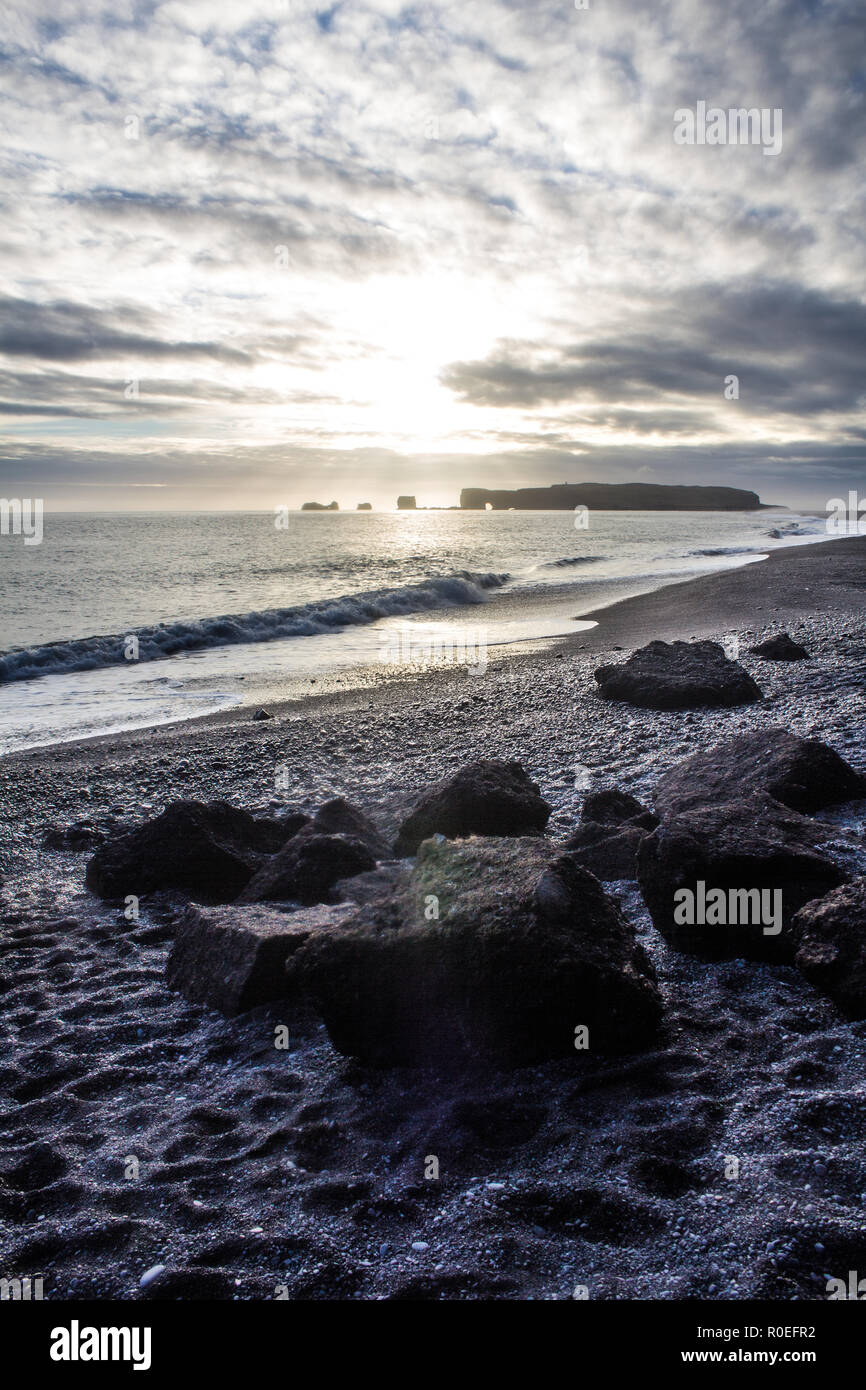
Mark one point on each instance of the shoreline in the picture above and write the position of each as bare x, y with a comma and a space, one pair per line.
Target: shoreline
695, 607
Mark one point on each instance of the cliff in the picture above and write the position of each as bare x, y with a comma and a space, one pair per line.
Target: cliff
613, 497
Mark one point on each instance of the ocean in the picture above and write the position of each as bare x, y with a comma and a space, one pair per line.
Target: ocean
129, 620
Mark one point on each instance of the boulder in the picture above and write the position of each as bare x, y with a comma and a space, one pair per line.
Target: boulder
611, 806
612, 825
608, 851
374, 884
830, 938
730, 849
489, 797
235, 958
275, 831
804, 774
780, 647
340, 817
306, 869
497, 949
208, 850
678, 675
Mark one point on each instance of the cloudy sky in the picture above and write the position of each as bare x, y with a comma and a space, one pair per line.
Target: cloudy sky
263, 252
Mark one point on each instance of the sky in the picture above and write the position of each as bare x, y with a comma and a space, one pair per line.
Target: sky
263, 253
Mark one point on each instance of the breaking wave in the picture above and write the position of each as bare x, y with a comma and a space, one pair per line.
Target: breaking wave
304, 620
727, 550
809, 527
570, 560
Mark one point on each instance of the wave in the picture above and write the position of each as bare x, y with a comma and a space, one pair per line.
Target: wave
795, 528
304, 620
726, 550
572, 560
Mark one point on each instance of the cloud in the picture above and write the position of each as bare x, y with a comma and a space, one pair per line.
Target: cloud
793, 350
68, 332
378, 237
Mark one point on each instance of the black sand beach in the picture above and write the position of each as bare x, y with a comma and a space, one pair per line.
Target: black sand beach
140, 1130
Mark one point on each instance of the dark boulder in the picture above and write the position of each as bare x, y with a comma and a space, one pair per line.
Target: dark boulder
830, 937
611, 806
306, 869
780, 647
208, 850
234, 959
489, 797
678, 675
275, 831
612, 825
608, 851
753, 846
804, 774
340, 817
498, 949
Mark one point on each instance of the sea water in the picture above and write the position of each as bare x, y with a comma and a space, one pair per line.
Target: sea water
121, 621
